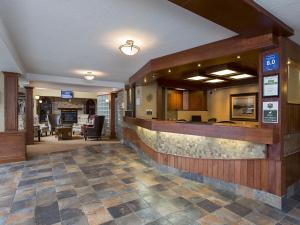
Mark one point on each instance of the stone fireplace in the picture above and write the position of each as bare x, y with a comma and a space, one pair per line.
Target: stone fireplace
69, 116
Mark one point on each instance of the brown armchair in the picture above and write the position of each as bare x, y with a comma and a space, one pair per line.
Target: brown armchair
96, 130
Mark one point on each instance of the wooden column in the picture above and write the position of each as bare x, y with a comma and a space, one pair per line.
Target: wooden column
29, 116
11, 101
113, 115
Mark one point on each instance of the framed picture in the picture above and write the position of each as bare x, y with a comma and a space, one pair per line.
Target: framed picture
243, 107
271, 86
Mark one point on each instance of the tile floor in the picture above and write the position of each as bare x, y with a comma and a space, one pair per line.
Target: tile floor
108, 185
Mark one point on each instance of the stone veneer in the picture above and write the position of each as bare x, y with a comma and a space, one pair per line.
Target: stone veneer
268, 198
199, 146
291, 144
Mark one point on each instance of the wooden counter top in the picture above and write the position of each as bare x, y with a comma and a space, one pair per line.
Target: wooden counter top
256, 135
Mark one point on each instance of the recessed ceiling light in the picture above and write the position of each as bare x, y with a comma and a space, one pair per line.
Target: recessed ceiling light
129, 48
215, 81
89, 76
197, 78
169, 71
199, 65
238, 57
180, 89
223, 72
241, 76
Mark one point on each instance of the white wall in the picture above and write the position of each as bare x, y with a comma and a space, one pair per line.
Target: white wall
146, 103
1, 102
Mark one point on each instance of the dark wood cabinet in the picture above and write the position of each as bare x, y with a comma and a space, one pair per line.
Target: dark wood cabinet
197, 100
175, 100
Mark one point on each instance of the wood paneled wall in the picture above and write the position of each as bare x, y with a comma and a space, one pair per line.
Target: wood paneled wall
292, 169
175, 100
12, 146
258, 174
197, 100
11, 101
292, 118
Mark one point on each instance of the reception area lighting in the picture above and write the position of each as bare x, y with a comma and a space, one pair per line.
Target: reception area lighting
213, 81
197, 78
241, 76
223, 72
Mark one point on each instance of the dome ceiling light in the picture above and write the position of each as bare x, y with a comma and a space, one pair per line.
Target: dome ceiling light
89, 76
129, 48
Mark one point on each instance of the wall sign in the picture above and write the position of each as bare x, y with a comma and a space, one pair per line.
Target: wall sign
270, 112
271, 86
271, 62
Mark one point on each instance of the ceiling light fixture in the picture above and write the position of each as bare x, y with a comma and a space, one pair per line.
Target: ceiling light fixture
180, 89
213, 81
169, 71
223, 72
199, 65
238, 57
197, 78
129, 48
241, 76
89, 76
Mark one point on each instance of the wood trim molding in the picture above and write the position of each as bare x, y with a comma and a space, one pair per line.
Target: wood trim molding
11, 101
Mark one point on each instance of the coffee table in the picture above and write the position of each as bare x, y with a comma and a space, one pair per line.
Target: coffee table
64, 133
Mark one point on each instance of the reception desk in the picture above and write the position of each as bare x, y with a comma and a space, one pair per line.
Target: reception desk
233, 158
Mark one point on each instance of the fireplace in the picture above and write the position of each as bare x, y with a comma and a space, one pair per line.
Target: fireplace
68, 116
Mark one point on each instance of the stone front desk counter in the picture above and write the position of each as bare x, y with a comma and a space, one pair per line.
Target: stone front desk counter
202, 140
232, 158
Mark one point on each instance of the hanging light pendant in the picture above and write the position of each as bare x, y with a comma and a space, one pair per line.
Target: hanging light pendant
129, 48
89, 76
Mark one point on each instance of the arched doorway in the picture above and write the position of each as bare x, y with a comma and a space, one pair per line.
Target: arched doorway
90, 107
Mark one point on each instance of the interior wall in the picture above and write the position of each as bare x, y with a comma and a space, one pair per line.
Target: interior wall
1, 102
147, 95
218, 100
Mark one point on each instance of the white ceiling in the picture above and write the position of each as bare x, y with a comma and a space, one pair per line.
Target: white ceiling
286, 10
68, 38
63, 38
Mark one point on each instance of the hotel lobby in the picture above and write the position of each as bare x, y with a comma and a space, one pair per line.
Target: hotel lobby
136, 112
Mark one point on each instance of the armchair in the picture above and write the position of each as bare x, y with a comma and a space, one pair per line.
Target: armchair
53, 122
96, 130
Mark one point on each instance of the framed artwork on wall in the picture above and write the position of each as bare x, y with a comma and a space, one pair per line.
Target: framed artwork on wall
244, 107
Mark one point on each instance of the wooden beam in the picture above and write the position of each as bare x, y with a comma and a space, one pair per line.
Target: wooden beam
230, 46
244, 17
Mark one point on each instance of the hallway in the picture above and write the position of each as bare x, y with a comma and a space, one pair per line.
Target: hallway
108, 184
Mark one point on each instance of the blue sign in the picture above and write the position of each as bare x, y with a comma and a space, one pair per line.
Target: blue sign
271, 62
66, 94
